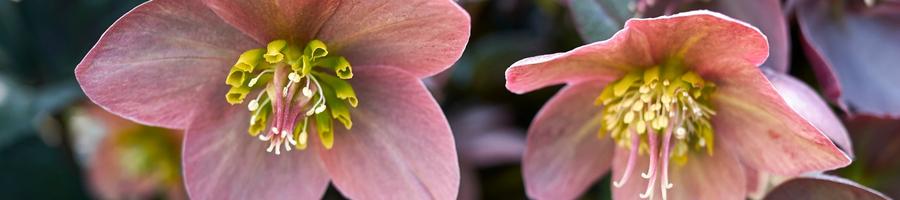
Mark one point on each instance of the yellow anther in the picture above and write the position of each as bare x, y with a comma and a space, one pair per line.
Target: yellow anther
629, 116
646, 98
666, 99
294, 77
649, 115
644, 89
640, 126
638, 106
253, 105
655, 107
680, 133
662, 121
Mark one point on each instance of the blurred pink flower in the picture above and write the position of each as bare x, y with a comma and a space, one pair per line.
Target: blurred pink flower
683, 89
134, 161
169, 63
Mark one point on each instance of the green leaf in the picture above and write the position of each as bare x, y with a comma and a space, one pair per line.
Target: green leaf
598, 20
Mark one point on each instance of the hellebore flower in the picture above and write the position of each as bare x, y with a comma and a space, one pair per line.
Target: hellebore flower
138, 163
126, 160
687, 114
853, 50
297, 66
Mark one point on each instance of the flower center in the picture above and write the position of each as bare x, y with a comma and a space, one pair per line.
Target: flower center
293, 86
657, 103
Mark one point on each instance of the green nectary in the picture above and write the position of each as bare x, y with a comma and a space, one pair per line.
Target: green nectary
293, 86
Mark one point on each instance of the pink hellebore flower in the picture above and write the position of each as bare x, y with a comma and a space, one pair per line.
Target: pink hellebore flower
687, 114
131, 161
297, 66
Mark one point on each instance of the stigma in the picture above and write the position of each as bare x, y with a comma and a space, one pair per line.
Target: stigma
297, 91
662, 112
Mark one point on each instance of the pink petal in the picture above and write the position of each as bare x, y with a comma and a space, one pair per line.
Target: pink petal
720, 176
767, 16
853, 47
757, 183
764, 131
400, 146
421, 37
563, 156
712, 44
823, 187
265, 21
161, 60
604, 61
222, 161
636, 184
810, 106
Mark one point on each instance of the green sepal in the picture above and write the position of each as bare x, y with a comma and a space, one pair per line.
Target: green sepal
236, 95
259, 120
324, 125
273, 54
339, 64
621, 86
298, 128
342, 88
236, 77
248, 60
339, 110
315, 49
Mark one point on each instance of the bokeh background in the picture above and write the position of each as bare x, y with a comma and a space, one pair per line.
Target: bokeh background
55, 144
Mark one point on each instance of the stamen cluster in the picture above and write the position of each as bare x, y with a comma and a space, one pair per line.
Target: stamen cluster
277, 73
657, 103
